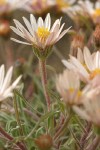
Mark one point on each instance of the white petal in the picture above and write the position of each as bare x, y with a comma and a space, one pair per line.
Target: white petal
33, 22
88, 59
68, 65
48, 21
28, 26
18, 41
54, 25
40, 22
49, 39
16, 81
60, 30
2, 74
79, 67
7, 80
63, 33
17, 31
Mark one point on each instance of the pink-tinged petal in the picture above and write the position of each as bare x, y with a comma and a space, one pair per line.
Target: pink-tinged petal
63, 33
79, 66
28, 25
57, 23
88, 59
19, 25
17, 31
49, 39
18, 41
56, 30
27, 36
60, 30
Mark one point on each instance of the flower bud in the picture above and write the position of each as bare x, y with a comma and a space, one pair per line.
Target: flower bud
78, 42
96, 36
44, 142
4, 28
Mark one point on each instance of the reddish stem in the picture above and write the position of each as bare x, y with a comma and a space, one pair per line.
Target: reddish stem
44, 81
10, 138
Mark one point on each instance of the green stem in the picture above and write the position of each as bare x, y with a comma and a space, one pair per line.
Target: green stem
38, 123
17, 117
43, 72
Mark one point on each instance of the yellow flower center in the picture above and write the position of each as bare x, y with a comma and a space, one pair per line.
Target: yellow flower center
97, 13
94, 73
2, 2
79, 93
43, 33
62, 4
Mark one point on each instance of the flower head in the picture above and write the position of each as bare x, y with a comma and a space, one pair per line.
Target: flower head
39, 34
68, 85
89, 69
44, 142
6, 88
4, 27
38, 6
7, 6
93, 10
63, 5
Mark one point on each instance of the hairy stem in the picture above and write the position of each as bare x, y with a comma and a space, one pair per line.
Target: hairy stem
10, 138
43, 72
85, 134
18, 118
61, 129
94, 144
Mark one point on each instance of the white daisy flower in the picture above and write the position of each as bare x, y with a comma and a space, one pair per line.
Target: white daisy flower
74, 13
64, 5
39, 34
86, 71
38, 6
6, 88
7, 6
68, 85
92, 9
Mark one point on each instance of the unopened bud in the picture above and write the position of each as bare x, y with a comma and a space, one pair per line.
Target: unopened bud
78, 42
44, 142
4, 27
96, 36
